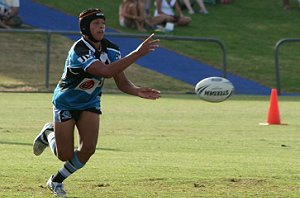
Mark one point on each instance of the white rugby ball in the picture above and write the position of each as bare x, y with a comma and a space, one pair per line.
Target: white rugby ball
214, 89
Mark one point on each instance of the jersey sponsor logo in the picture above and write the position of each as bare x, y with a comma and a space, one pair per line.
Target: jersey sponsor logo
88, 85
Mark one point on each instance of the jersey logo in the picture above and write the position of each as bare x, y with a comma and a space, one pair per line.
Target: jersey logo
65, 115
104, 57
88, 85
118, 56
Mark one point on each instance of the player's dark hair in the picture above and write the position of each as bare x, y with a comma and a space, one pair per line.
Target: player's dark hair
85, 19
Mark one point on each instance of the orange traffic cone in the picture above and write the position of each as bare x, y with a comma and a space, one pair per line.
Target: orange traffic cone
273, 115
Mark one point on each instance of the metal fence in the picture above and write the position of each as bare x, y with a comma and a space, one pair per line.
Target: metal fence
49, 34
277, 66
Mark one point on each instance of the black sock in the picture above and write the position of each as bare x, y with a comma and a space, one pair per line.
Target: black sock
58, 178
45, 137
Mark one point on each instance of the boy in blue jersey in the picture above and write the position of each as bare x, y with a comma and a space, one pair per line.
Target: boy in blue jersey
76, 99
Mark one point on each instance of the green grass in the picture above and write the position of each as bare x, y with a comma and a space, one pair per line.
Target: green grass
249, 30
177, 146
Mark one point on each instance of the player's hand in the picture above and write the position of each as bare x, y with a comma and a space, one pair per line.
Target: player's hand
148, 93
149, 45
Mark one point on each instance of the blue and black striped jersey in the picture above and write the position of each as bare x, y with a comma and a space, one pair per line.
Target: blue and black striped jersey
77, 89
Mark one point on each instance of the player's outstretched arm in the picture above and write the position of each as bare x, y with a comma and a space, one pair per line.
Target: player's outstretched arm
126, 86
148, 93
107, 71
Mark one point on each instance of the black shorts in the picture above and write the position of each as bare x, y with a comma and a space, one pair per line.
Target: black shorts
65, 115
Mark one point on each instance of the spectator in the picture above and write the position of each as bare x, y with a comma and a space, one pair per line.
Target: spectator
9, 13
164, 13
225, 1
188, 5
147, 7
286, 4
132, 15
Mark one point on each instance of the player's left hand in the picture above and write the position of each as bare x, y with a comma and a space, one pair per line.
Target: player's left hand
149, 45
148, 93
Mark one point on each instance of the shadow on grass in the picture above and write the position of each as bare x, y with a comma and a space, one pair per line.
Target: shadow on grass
30, 144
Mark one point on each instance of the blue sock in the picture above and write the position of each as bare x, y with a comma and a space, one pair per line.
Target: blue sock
69, 168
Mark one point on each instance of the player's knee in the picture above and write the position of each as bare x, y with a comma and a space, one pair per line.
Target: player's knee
64, 156
88, 150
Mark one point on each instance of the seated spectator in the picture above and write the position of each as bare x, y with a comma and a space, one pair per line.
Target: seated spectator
132, 15
147, 7
286, 4
225, 1
188, 5
164, 13
9, 13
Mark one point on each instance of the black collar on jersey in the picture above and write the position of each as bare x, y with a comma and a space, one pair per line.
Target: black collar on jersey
92, 48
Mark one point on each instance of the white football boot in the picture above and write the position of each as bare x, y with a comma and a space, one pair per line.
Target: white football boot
56, 188
39, 143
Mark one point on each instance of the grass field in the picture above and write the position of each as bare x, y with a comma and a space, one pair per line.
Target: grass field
177, 146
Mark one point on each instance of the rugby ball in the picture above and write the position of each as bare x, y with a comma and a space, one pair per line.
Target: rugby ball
214, 89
